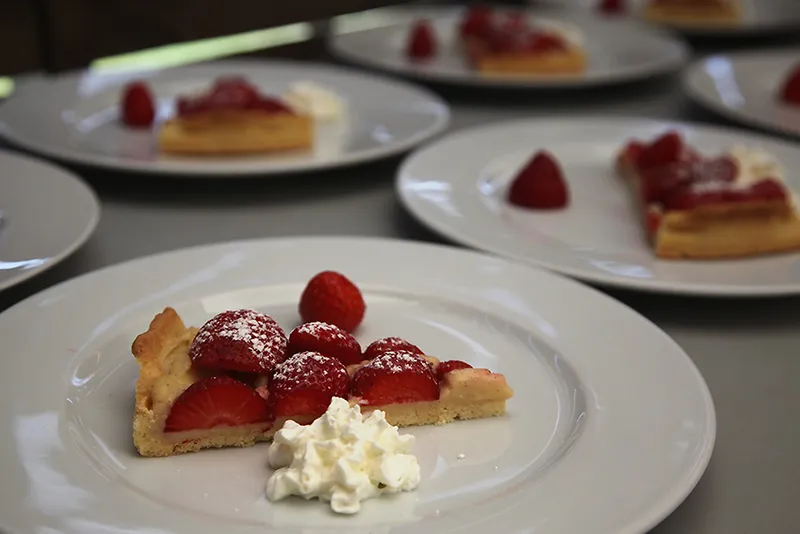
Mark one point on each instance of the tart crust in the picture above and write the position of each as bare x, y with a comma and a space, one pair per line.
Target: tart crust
723, 14
165, 371
569, 61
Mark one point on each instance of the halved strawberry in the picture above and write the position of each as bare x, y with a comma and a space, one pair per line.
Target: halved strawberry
540, 184
138, 105
790, 92
239, 340
450, 365
390, 344
665, 150
331, 298
477, 20
217, 401
396, 377
327, 339
305, 384
421, 41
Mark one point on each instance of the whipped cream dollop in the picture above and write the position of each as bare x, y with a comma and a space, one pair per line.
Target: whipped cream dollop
755, 164
311, 99
342, 457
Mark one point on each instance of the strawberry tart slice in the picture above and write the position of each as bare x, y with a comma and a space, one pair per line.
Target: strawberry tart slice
706, 207
237, 379
694, 12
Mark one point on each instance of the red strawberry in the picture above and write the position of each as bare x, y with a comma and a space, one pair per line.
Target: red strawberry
790, 93
421, 41
217, 401
305, 384
663, 151
540, 184
138, 107
327, 339
390, 344
396, 377
331, 298
612, 6
450, 365
545, 42
240, 340
477, 20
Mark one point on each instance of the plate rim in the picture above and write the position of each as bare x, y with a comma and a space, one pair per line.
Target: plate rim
151, 168
714, 106
628, 284
80, 240
654, 514
474, 81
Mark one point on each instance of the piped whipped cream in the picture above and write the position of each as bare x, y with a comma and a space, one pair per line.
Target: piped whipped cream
342, 457
755, 164
311, 99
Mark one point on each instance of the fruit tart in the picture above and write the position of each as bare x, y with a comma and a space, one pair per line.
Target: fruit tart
239, 377
694, 12
233, 117
706, 207
510, 44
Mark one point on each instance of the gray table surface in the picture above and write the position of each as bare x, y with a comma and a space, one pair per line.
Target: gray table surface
747, 350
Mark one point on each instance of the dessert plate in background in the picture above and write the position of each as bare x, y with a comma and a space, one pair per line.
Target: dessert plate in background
457, 186
47, 214
618, 50
619, 427
745, 87
75, 117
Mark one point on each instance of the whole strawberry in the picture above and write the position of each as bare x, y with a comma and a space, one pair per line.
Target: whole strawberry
331, 298
138, 106
540, 184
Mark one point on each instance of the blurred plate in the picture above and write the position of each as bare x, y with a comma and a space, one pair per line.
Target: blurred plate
618, 50
75, 117
457, 186
48, 213
744, 87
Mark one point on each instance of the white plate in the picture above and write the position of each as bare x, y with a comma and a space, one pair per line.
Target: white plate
606, 433
760, 18
618, 50
47, 214
457, 187
74, 117
744, 87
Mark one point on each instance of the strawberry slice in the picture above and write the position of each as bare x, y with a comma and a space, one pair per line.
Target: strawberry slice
450, 365
239, 340
421, 41
396, 377
540, 184
476, 22
790, 92
327, 339
665, 150
708, 193
390, 344
138, 105
331, 298
217, 401
304, 384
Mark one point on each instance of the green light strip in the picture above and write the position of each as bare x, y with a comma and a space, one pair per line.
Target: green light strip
6, 87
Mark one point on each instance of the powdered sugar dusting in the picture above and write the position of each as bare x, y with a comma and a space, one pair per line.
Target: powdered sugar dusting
398, 361
319, 329
308, 366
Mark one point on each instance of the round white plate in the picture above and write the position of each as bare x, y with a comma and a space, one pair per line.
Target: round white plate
47, 214
618, 50
760, 18
75, 117
457, 186
744, 87
616, 427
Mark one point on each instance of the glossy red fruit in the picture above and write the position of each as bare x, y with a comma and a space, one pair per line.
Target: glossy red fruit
477, 20
612, 7
305, 384
450, 365
421, 41
217, 401
708, 193
331, 298
138, 106
390, 344
790, 93
327, 339
239, 340
396, 377
540, 184
545, 42
665, 150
